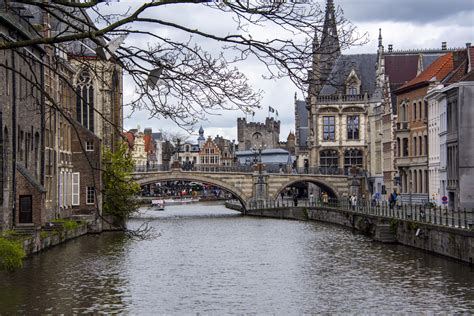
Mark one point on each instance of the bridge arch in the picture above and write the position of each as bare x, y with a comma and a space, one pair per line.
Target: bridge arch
331, 190
160, 177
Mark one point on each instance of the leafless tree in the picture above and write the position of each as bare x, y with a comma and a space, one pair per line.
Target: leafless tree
177, 69
166, 62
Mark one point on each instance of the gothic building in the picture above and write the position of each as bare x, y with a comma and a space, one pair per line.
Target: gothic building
342, 89
348, 120
52, 99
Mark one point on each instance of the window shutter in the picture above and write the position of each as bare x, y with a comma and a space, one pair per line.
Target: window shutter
61, 184
75, 188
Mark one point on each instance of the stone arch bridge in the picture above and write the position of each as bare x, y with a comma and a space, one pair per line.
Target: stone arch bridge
245, 185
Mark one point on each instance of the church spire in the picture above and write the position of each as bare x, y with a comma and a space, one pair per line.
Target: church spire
330, 39
313, 74
380, 38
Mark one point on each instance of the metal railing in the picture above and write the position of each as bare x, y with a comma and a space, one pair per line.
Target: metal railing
268, 168
460, 218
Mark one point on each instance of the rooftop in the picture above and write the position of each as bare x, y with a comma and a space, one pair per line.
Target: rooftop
438, 70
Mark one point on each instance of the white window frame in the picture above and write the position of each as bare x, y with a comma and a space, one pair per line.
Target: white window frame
76, 181
87, 196
89, 146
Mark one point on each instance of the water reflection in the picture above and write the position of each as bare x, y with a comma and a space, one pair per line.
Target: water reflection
212, 260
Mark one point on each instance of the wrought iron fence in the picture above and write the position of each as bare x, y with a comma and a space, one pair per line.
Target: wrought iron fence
460, 218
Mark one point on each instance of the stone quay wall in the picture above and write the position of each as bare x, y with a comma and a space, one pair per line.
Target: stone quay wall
42, 240
447, 241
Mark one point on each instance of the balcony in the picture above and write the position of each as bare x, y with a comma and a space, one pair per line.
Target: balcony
403, 126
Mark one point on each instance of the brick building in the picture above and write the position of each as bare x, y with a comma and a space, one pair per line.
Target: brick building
412, 130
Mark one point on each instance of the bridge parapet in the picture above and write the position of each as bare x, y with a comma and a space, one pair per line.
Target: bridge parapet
245, 185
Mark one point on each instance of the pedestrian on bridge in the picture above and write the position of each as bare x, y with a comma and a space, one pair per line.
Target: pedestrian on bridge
295, 199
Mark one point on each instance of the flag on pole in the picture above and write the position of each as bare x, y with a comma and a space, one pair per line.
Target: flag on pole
271, 110
276, 112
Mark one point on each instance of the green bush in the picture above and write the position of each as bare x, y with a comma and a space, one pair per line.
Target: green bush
67, 224
393, 225
11, 255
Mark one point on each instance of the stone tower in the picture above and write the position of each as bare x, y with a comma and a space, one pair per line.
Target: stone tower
253, 134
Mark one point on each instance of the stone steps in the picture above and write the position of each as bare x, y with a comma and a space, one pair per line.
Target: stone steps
383, 233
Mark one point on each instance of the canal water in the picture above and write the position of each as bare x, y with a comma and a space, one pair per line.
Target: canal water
211, 260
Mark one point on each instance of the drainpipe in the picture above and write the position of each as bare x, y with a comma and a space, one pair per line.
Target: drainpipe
14, 138
42, 118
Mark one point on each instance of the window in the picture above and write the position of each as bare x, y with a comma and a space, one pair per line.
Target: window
352, 157
75, 188
90, 195
85, 100
329, 162
414, 112
352, 90
329, 128
89, 146
353, 127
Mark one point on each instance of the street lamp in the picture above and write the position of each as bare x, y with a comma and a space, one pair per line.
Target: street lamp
178, 143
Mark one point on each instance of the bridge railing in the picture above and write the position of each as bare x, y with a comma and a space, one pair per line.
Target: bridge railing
267, 168
459, 218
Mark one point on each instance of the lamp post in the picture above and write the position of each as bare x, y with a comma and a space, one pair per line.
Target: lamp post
176, 164
260, 184
178, 141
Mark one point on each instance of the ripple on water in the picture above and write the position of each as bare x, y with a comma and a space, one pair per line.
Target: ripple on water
212, 260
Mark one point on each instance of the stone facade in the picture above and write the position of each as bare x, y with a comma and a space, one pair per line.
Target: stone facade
254, 135
38, 110
21, 133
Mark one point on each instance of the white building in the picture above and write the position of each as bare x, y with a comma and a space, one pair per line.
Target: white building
436, 103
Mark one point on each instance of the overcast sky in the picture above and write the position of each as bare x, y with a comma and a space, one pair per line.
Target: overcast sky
404, 23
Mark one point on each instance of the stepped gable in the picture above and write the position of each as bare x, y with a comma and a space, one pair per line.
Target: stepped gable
364, 66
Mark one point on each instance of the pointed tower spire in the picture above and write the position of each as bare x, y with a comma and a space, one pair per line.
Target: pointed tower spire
313, 74
329, 38
329, 49
380, 38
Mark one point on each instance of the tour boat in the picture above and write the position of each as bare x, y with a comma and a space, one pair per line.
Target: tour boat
158, 205
181, 201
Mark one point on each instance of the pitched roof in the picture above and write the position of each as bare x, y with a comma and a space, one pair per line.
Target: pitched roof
30, 178
438, 70
363, 64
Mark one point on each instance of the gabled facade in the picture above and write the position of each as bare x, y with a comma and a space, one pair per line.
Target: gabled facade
412, 130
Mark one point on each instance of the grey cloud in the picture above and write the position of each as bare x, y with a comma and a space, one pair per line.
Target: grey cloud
418, 11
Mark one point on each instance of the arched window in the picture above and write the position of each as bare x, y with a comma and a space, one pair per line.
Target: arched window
329, 161
352, 158
85, 100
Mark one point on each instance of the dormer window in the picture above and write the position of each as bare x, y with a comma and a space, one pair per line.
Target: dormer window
353, 83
